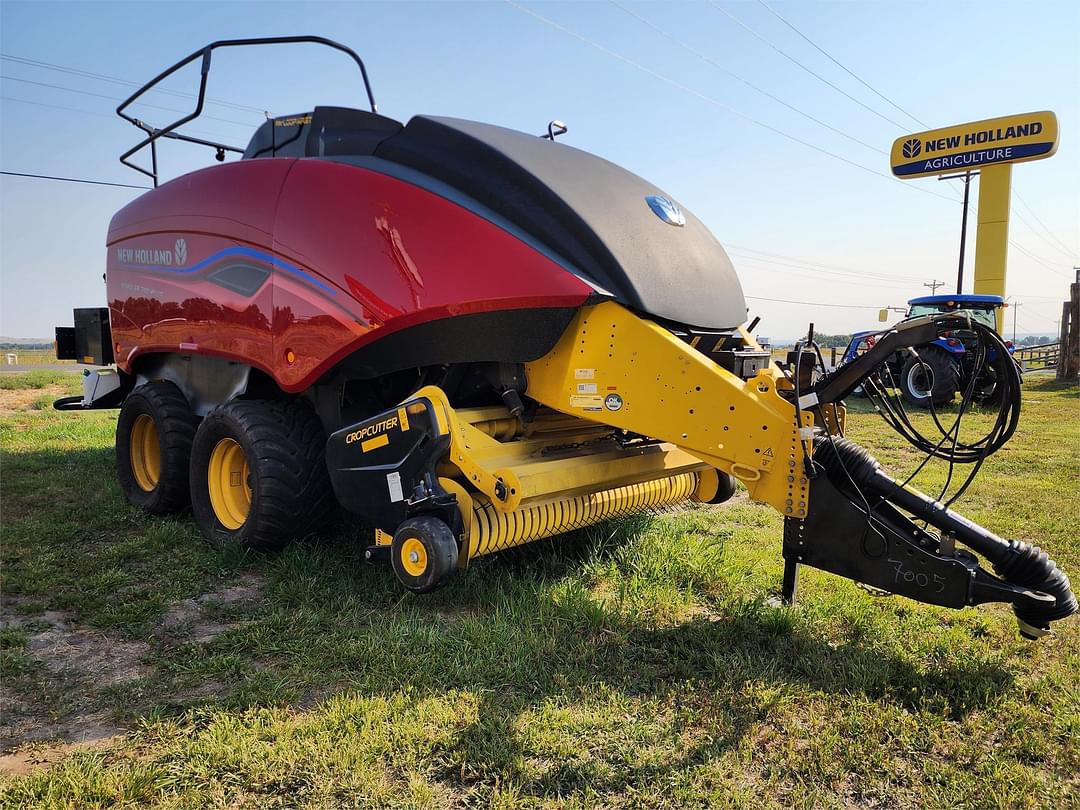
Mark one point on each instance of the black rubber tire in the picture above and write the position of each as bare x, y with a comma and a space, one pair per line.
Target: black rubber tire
725, 488
991, 392
441, 551
284, 446
175, 424
945, 379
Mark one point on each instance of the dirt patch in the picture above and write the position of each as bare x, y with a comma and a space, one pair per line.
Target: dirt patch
64, 649
39, 756
57, 699
56, 705
29, 399
198, 620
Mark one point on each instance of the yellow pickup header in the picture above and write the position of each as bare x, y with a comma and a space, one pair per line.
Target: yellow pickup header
1012, 139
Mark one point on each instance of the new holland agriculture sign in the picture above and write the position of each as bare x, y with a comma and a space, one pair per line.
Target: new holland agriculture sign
1012, 139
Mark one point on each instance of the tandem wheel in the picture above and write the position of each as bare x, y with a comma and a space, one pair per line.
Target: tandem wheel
258, 474
154, 434
424, 553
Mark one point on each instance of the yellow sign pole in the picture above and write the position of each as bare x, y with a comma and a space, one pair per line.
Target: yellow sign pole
992, 234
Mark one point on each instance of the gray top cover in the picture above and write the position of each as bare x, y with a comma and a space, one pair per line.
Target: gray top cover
586, 209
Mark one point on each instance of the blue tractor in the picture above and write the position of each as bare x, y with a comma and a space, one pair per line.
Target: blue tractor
947, 365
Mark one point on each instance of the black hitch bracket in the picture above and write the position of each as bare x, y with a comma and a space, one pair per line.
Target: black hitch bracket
886, 550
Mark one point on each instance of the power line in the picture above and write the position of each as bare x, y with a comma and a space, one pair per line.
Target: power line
245, 124
739, 78
709, 99
791, 58
834, 267
1068, 251
59, 107
816, 272
812, 303
116, 80
201, 133
1059, 246
847, 70
1037, 259
1042, 313
1025, 296
817, 275
1035, 232
1045, 318
72, 180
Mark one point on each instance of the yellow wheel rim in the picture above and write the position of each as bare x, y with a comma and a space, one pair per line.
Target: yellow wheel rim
145, 451
227, 475
413, 557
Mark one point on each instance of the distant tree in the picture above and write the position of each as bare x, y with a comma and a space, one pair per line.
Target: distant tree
832, 341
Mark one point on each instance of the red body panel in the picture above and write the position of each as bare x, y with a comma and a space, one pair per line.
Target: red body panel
289, 265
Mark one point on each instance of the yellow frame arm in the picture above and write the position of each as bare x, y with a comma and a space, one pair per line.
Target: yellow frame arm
615, 368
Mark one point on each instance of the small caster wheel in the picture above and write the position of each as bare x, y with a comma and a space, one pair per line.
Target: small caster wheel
714, 487
424, 553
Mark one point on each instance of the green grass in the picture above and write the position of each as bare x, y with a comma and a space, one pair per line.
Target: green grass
28, 357
39, 379
633, 664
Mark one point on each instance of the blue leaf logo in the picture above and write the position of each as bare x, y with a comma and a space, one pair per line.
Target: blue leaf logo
666, 209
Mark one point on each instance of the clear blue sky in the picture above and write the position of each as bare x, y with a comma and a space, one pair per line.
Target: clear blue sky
759, 192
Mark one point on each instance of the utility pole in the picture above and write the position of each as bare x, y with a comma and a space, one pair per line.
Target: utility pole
1069, 336
966, 176
933, 285
1015, 305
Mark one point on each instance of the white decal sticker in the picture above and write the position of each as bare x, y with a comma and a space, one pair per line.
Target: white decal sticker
584, 373
588, 403
393, 482
586, 388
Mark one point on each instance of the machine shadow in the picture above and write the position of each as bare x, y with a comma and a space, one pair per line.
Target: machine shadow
719, 666
750, 643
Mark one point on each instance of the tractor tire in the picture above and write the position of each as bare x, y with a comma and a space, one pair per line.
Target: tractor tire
154, 434
424, 554
933, 376
258, 474
988, 390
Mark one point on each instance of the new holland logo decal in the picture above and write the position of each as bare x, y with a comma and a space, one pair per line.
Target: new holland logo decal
666, 209
177, 257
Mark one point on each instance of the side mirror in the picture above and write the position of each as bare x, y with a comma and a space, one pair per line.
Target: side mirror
883, 315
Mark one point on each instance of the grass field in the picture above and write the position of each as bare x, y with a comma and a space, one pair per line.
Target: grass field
638, 664
33, 357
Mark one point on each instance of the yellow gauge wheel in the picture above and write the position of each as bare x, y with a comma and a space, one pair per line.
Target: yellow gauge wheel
227, 476
145, 452
414, 558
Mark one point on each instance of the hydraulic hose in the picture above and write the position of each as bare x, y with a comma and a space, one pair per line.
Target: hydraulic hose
1017, 562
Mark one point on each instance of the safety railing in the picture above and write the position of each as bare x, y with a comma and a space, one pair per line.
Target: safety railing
153, 134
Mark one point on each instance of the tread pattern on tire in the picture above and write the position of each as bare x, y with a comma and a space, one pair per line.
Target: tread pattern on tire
176, 424
284, 443
946, 378
442, 553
